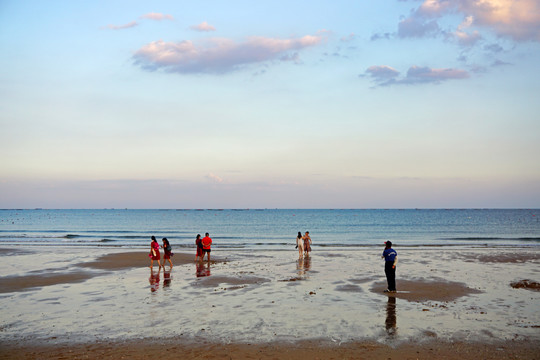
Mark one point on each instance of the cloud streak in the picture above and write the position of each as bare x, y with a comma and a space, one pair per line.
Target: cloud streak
384, 75
122, 27
149, 16
219, 55
156, 16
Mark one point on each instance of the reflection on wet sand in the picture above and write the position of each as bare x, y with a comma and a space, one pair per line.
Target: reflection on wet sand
203, 269
166, 278
303, 265
391, 319
154, 279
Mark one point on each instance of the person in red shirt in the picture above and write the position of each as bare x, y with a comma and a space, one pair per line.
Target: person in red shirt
206, 244
154, 253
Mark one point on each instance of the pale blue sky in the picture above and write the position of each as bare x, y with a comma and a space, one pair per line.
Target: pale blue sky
292, 104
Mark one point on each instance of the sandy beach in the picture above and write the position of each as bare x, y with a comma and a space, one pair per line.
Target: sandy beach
452, 303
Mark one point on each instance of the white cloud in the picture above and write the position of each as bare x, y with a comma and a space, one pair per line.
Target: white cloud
204, 27
219, 55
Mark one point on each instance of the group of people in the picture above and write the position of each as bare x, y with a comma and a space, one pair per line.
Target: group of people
204, 246
303, 244
155, 255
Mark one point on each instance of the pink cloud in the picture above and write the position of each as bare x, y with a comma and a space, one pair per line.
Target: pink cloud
218, 55
156, 16
204, 26
214, 178
519, 20
435, 8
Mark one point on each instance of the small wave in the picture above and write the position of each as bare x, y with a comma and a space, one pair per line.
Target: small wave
71, 236
480, 238
104, 240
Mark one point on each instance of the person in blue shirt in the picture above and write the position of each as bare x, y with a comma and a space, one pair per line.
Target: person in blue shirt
390, 262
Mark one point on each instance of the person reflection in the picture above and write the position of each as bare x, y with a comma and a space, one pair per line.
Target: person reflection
303, 265
391, 319
154, 279
166, 278
202, 269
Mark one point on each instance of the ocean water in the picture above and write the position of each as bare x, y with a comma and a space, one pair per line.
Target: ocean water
271, 229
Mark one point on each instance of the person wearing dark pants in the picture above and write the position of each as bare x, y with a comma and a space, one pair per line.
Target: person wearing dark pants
390, 262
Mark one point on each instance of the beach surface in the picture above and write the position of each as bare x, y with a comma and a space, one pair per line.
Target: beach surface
451, 303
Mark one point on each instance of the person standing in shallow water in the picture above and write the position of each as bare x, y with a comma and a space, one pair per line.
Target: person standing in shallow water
154, 253
198, 242
300, 245
206, 244
390, 262
167, 252
307, 243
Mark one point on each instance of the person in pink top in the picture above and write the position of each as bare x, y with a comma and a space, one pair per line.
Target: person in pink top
154, 253
198, 242
206, 245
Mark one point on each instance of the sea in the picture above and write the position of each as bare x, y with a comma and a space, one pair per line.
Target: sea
271, 229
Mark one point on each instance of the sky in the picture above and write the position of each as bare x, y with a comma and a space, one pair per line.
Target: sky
270, 104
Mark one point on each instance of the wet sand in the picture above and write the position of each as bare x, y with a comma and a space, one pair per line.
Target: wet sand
125, 260
177, 349
107, 303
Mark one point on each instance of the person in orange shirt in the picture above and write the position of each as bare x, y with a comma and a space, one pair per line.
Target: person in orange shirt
206, 244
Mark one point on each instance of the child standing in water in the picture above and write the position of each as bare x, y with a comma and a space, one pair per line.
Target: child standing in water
167, 252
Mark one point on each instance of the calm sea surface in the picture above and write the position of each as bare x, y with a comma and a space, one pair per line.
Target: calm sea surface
271, 229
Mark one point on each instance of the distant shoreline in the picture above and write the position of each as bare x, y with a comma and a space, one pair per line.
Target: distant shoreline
270, 209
